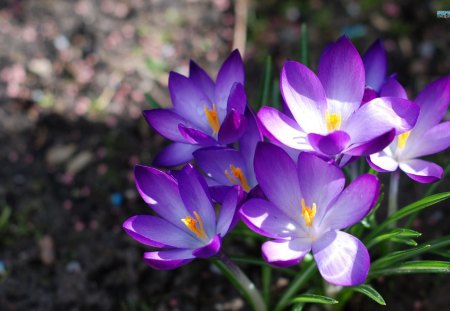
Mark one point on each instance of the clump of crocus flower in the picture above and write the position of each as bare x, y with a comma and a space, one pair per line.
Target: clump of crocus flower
291, 189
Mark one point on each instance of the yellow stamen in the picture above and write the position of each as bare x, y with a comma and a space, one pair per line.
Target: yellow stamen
238, 177
213, 118
333, 121
195, 225
402, 138
308, 213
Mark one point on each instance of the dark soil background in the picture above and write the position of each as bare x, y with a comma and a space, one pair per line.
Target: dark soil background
73, 79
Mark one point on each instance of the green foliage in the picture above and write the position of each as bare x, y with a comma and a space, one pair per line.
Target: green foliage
370, 292
313, 298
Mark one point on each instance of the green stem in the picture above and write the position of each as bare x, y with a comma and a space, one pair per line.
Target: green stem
393, 194
266, 282
294, 286
240, 281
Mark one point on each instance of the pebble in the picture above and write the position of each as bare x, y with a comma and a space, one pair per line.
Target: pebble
47, 250
73, 266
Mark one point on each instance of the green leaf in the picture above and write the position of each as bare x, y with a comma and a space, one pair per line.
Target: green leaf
264, 99
4, 218
152, 101
370, 292
304, 45
312, 298
406, 241
392, 234
424, 266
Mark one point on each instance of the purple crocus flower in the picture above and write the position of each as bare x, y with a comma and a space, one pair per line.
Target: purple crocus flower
186, 227
306, 209
204, 113
226, 167
329, 117
426, 138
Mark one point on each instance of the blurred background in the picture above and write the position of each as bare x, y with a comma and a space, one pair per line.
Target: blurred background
74, 78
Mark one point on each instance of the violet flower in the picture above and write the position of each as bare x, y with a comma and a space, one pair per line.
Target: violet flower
204, 113
306, 209
329, 117
186, 226
226, 167
426, 138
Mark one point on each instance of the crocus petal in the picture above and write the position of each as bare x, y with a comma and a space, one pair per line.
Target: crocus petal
175, 154
197, 137
268, 220
170, 259
232, 128
341, 258
374, 145
228, 216
248, 142
232, 71
282, 253
330, 144
422, 171
211, 249
383, 161
195, 195
433, 102
379, 116
160, 191
283, 129
369, 94
320, 182
276, 174
238, 99
157, 232
435, 140
188, 100
375, 64
341, 72
201, 79
353, 204
165, 122
214, 161
392, 88
305, 96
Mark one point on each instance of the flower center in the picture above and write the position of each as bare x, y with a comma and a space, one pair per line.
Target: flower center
308, 213
333, 121
402, 139
237, 177
213, 118
195, 225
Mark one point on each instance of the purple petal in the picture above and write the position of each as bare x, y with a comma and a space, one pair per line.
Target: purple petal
305, 96
320, 182
383, 161
283, 129
238, 99
167, 260
232, 128
160, 191
165, 122
330, 144
268, 220
232, 71
433, 102
369, 94
175, 154
189, 101
248, 142
281, 253
194, 136
202, 80
379, 116
195, 195
422, 171
276, 174
341, 258
372, 146
392, 88
375, 64
341, 72
354, 203
157, 232
228, 216
435, 140
211, 249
